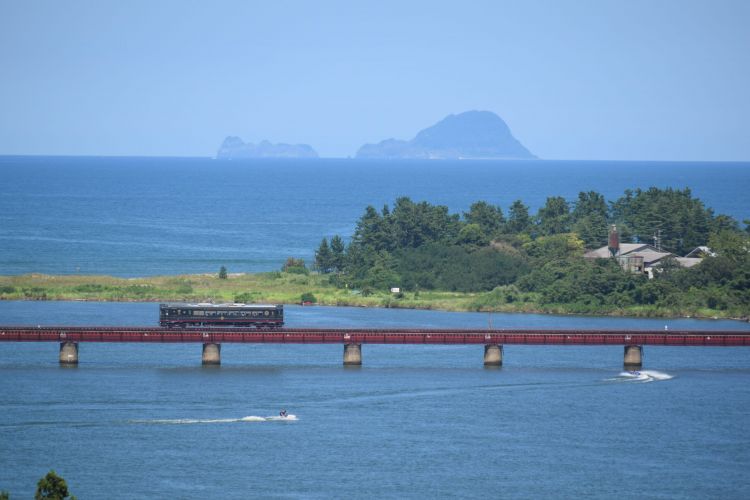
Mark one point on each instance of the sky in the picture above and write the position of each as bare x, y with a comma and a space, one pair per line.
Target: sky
599, 79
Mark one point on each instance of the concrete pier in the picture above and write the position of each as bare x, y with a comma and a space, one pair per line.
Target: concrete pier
68, 353
352, 354
633, 357
211, 354
493, 355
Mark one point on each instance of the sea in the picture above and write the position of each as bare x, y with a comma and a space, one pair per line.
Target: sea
148, 421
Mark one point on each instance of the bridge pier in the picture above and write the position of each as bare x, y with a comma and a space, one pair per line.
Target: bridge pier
352, 354
493, 355
69, 353
633, 357
211, 354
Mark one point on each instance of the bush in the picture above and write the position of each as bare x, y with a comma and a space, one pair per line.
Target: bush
89, 288
294, 266
7, 289
308, 297
223, 273
246, 297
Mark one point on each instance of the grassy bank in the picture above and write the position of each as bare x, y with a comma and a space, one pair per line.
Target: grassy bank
287, 288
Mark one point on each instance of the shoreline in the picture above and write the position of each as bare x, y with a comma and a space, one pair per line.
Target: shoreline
287, 288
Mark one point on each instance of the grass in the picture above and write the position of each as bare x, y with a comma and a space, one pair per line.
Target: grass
287, 288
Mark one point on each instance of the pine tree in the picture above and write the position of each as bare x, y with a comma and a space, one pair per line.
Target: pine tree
323, 257
337, 253
518, 218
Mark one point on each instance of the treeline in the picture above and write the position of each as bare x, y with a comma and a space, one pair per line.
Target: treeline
539, 257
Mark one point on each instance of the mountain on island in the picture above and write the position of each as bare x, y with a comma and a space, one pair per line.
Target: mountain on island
472, 134
233, 148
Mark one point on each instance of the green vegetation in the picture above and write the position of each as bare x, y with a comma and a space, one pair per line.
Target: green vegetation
476, 261
536, 263
52, 487
223, 273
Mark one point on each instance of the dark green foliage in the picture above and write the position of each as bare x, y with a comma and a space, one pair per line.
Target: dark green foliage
590, 219
7, 289
246, 297
4, 495
472, 236
223, 273
89, 288
414, 224
52, 487
323, 257
337, 253
489, 218
457, 268
418, 246
554, 216
308, 297
519, 220
683, 221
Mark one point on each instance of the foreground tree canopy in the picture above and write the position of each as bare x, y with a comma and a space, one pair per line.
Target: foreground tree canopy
52, 487
420, 246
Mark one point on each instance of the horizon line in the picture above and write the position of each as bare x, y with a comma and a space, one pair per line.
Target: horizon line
436, 160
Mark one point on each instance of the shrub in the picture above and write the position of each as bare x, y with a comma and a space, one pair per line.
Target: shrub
308, 297
294, 266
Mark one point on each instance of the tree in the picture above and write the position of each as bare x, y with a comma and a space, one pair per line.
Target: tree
554, 216
488, 217
518, 218
324, 257
681, 221
337, 253
590, 219
471, 236
52, 487
223, 273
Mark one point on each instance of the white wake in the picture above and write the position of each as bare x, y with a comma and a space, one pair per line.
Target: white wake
250, 418
643, 376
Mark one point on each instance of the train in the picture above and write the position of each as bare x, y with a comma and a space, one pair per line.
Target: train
183, 314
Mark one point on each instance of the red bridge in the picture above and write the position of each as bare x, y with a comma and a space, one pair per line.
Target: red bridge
352, 339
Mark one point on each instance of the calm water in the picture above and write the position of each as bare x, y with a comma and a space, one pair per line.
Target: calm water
413, 422
136, 217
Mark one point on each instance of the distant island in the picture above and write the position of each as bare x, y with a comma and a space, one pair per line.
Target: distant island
234, 148
471, 135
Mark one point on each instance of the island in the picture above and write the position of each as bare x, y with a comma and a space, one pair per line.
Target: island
468, 135
234, 148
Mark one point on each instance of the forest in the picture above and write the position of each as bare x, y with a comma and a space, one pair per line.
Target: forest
517, 256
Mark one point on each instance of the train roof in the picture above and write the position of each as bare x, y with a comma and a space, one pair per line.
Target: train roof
178, 305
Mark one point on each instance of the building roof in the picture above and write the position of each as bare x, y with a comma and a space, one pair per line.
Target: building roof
625, 249
701, 250
650, 256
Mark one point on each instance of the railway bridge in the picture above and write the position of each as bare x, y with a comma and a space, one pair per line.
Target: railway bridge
493, 340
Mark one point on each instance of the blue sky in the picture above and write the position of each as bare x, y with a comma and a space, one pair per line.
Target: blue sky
623, 80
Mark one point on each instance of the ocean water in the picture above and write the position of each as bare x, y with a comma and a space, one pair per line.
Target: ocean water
147, 421
150, 216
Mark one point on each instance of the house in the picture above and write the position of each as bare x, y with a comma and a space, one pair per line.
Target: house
642, 257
